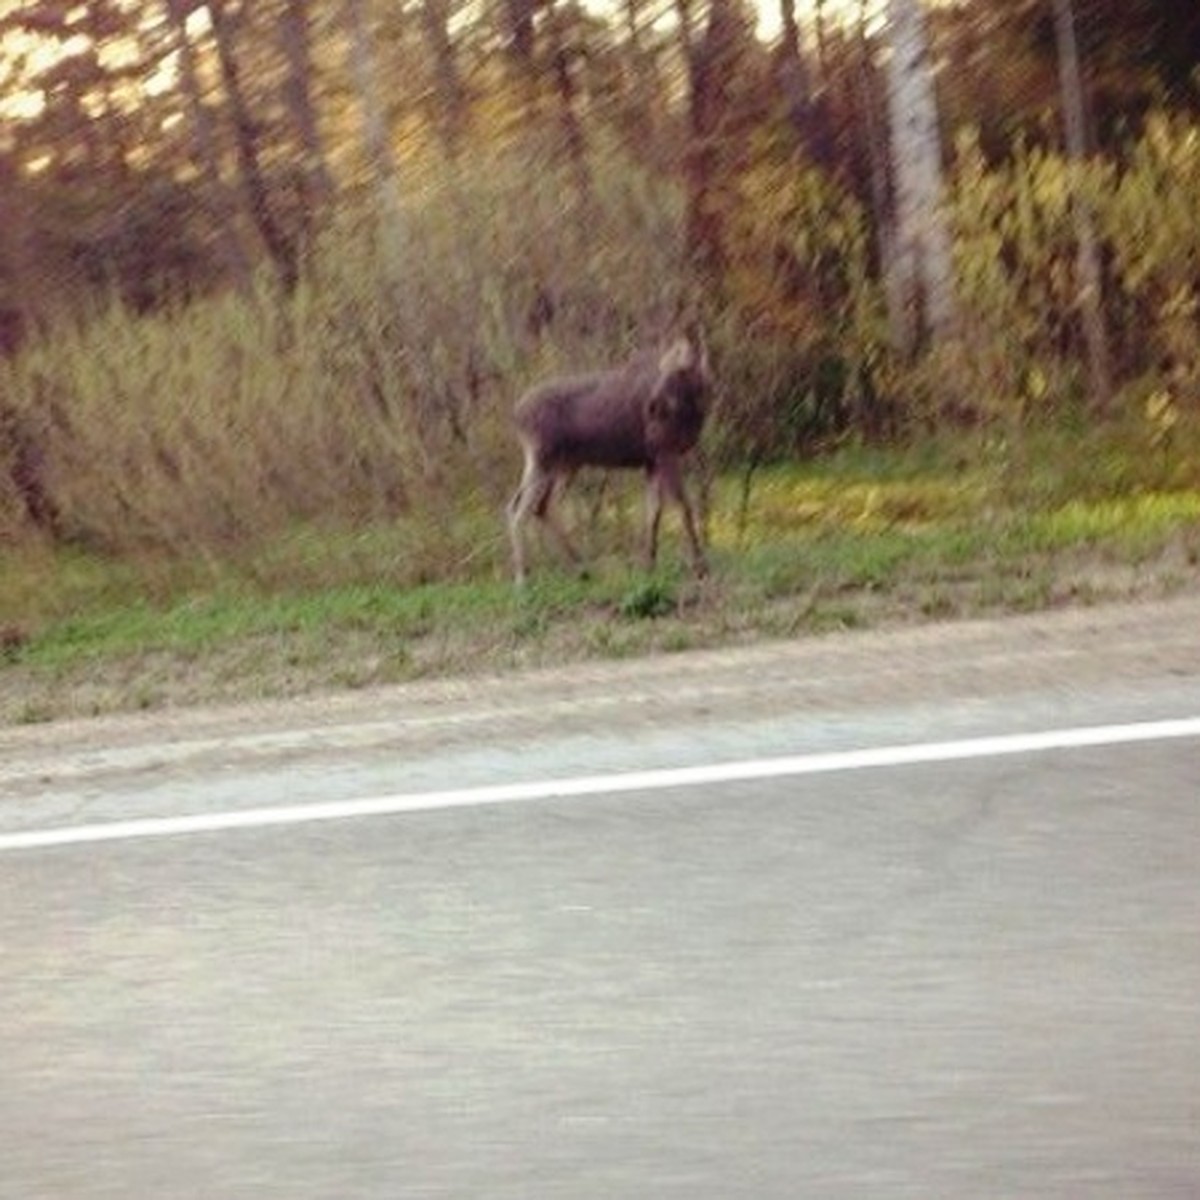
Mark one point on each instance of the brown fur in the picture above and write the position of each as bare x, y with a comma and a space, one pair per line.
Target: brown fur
645, 415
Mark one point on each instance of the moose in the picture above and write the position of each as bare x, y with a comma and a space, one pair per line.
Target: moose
645, 415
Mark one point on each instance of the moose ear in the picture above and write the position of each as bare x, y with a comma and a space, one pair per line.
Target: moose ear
678, 356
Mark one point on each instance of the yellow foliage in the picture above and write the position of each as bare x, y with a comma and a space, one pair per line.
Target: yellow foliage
798, 252
1016, 255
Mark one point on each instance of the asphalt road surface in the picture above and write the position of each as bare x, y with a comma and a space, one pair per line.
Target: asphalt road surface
909, 914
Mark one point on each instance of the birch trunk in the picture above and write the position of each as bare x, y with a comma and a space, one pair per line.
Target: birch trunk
920, 284
376, 138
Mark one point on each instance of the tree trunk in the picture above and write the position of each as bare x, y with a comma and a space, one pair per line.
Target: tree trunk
280, 247
644, 90
872, 119
221, 205
451, 94
377, 140
920, 284
1090, 280
518, 16
796, 85
573, 141
23, 312
316, 184
708, 64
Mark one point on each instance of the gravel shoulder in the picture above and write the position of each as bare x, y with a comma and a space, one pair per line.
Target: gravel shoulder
1062, 652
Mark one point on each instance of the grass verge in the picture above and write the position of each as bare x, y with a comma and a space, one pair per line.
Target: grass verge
857, 540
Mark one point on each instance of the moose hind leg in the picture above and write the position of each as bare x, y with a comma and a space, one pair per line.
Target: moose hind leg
535, 495
527, 496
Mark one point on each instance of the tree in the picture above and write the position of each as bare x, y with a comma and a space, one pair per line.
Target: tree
376, 136
206, 153
316, 184
281, 247
22, 298
1090, 280
449, 89
711, 58
560, 24
518, 18
805, 109
920, 279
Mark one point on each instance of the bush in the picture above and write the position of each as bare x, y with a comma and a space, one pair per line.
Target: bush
1015, 253
1149, 221
648, 600
803, 332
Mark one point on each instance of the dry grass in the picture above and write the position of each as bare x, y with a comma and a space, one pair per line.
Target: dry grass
359, 398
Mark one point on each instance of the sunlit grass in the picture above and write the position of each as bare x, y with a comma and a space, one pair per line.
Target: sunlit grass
1130, 523
786, 501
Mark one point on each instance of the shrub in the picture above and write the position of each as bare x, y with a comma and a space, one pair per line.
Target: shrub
1015, 253
1149, 221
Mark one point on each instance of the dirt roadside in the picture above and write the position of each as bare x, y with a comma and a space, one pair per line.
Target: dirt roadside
285, 663
1069, 650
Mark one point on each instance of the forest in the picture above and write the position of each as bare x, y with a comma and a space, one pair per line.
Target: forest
278, 270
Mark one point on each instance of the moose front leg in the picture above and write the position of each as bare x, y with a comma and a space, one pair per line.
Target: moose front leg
665, 481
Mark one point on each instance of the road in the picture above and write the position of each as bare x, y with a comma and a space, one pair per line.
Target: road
899, 914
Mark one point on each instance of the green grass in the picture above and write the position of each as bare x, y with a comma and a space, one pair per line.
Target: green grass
856, 539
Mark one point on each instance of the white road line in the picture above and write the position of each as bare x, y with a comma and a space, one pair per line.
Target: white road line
874, 758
